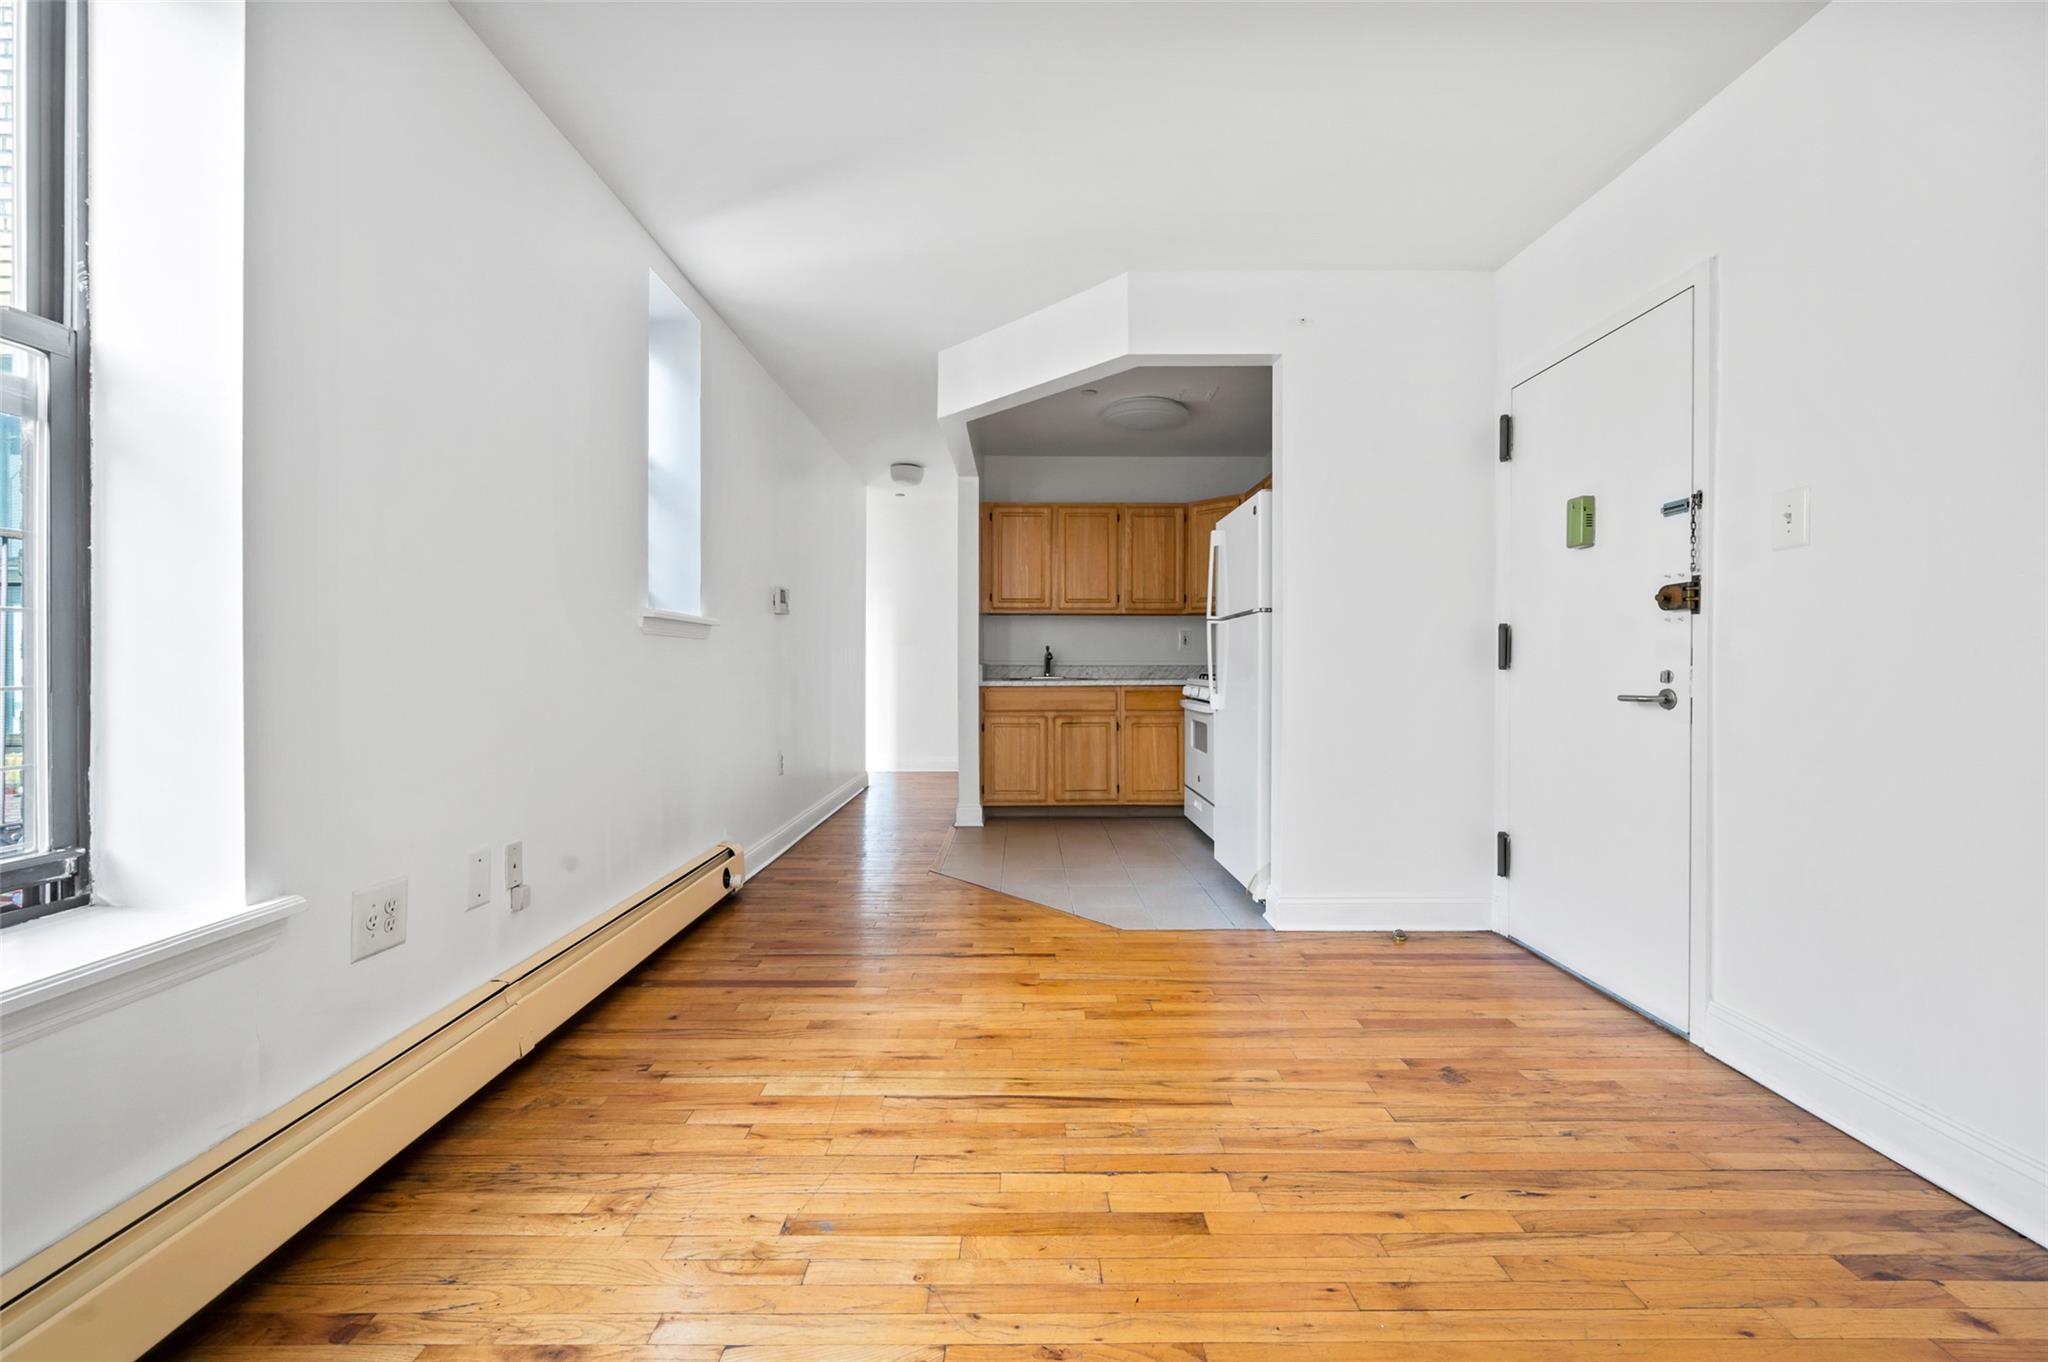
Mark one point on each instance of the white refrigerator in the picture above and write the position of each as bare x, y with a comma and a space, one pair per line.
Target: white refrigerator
1240, 639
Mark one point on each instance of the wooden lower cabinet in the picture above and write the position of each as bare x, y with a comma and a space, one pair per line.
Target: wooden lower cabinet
1080, 745
1084, 765
1013, 759
1151, 759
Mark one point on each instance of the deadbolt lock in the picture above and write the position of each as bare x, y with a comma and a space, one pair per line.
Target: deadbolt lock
1680, 596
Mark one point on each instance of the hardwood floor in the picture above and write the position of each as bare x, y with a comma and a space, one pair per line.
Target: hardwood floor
866, 1113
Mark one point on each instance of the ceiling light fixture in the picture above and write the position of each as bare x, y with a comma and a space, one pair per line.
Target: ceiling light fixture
909, 474
1146, 412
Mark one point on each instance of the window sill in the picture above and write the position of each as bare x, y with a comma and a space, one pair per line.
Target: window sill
62, 969
674, 623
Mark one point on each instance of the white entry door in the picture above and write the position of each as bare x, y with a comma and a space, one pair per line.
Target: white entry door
1598, 803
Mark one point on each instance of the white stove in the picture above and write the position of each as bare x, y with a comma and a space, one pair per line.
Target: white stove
1198, 775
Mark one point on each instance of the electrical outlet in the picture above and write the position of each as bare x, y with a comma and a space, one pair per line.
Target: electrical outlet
781, 765
376, 919
520, 895
479, 877
515, 866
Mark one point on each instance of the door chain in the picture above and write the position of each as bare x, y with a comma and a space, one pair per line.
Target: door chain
1685, 595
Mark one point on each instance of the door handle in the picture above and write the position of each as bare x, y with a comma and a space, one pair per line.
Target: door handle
1666, 698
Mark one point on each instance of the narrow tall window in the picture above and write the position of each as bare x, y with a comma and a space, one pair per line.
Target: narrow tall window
43, 463
675, 484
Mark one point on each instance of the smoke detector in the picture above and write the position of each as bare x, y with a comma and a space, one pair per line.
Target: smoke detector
1146, 412
909, 474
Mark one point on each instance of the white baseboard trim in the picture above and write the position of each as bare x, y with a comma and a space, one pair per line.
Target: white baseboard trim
761, 852
914, 768
2007, 1184
967, 816
1373, 913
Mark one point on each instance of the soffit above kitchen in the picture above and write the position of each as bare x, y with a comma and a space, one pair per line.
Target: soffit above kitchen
1172, 410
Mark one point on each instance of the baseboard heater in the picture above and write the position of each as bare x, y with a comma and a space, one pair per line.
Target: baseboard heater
116, 1287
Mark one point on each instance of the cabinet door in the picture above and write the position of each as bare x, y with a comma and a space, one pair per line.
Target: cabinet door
1203, 516
1019, 558
1151, 759
1084, 758
1013, 759
1086, 549
1154, 579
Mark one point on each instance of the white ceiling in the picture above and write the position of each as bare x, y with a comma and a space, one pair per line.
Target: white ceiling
857, 186
1231, 414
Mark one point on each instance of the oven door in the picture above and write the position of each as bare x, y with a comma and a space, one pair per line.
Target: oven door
1198, 741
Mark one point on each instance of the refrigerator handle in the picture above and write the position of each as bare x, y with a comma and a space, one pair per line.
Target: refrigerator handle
1210, 622
1215, 558
1215, 665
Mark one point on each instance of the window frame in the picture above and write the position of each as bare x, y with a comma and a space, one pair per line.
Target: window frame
50, 209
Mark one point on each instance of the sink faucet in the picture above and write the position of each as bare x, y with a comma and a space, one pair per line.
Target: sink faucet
1048, 659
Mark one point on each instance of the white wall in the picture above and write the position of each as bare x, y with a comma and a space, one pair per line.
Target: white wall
1136, 477
445, 439
167, 430
1383, 726
913, 631
1383, 530
1872, 194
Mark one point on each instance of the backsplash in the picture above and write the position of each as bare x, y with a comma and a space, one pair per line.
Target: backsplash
1093, 640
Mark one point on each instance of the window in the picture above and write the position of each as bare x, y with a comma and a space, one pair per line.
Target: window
675, 491
43, 467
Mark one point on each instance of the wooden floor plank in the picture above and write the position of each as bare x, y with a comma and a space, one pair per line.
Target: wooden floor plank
866, 1113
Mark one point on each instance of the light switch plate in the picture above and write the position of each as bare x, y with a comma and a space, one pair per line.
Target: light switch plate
479, 877
515, 865
1788, 519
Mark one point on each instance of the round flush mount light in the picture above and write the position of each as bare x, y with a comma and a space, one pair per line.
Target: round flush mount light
909, 474
1145, 412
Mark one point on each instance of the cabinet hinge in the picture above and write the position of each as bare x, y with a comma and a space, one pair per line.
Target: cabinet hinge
1507, 438
1504, 647
1503, 847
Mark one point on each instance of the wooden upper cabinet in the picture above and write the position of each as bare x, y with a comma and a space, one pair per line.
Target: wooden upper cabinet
1076, 559
1084, 764
1203, 516
1085, 559
1154, 578
1017, 560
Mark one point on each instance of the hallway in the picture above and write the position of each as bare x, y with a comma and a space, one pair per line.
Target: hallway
867, 1112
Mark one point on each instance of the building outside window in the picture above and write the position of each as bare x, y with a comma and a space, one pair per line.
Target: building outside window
44, 472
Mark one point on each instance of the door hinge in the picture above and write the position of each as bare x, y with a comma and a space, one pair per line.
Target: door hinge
1507, 438
1504, 647
1502, 851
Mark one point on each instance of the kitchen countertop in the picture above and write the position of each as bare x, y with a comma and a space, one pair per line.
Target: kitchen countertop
1086, 674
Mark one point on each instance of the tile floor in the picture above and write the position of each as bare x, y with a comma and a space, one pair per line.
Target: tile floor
1156, 874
